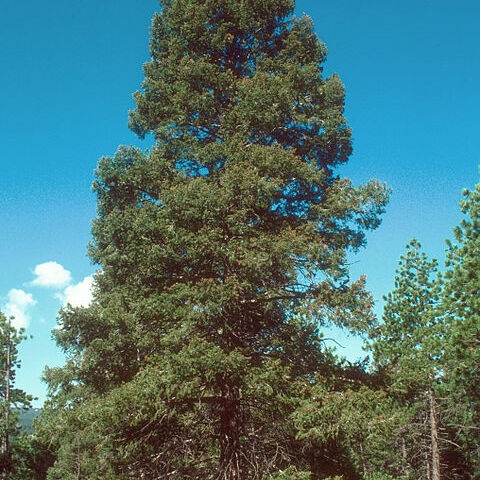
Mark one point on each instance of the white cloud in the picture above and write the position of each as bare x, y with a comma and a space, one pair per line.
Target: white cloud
51, 274
17, 306
78, 295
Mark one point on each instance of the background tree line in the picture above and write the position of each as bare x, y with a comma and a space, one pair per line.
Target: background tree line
222, 254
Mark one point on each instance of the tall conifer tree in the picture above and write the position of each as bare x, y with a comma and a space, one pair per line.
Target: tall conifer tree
223, 250
408, 347
461, 303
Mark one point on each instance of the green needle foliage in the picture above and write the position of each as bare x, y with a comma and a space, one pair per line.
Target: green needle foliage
349, 422
223, 250
12, 399
461, 302
408, 350
407, 345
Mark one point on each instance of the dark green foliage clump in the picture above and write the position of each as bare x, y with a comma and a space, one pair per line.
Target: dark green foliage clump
13, 401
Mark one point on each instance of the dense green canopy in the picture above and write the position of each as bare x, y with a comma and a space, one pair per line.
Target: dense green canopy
223, 250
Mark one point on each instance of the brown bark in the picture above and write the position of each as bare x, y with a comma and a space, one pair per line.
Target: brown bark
313, 464
427, 463
406, 464
434, 437
79, 461
362, 455
230, 434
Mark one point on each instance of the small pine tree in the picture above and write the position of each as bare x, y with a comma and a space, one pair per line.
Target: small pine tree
408, 349
12, 399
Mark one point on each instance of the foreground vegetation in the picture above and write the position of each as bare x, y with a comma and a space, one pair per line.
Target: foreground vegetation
223, 254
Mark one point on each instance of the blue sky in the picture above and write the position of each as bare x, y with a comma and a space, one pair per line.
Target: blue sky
411, 71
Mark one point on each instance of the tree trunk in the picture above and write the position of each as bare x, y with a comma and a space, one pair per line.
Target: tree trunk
362, 455
406, 463
79, 461
427, 463
313, 461
434, 437
230, 434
